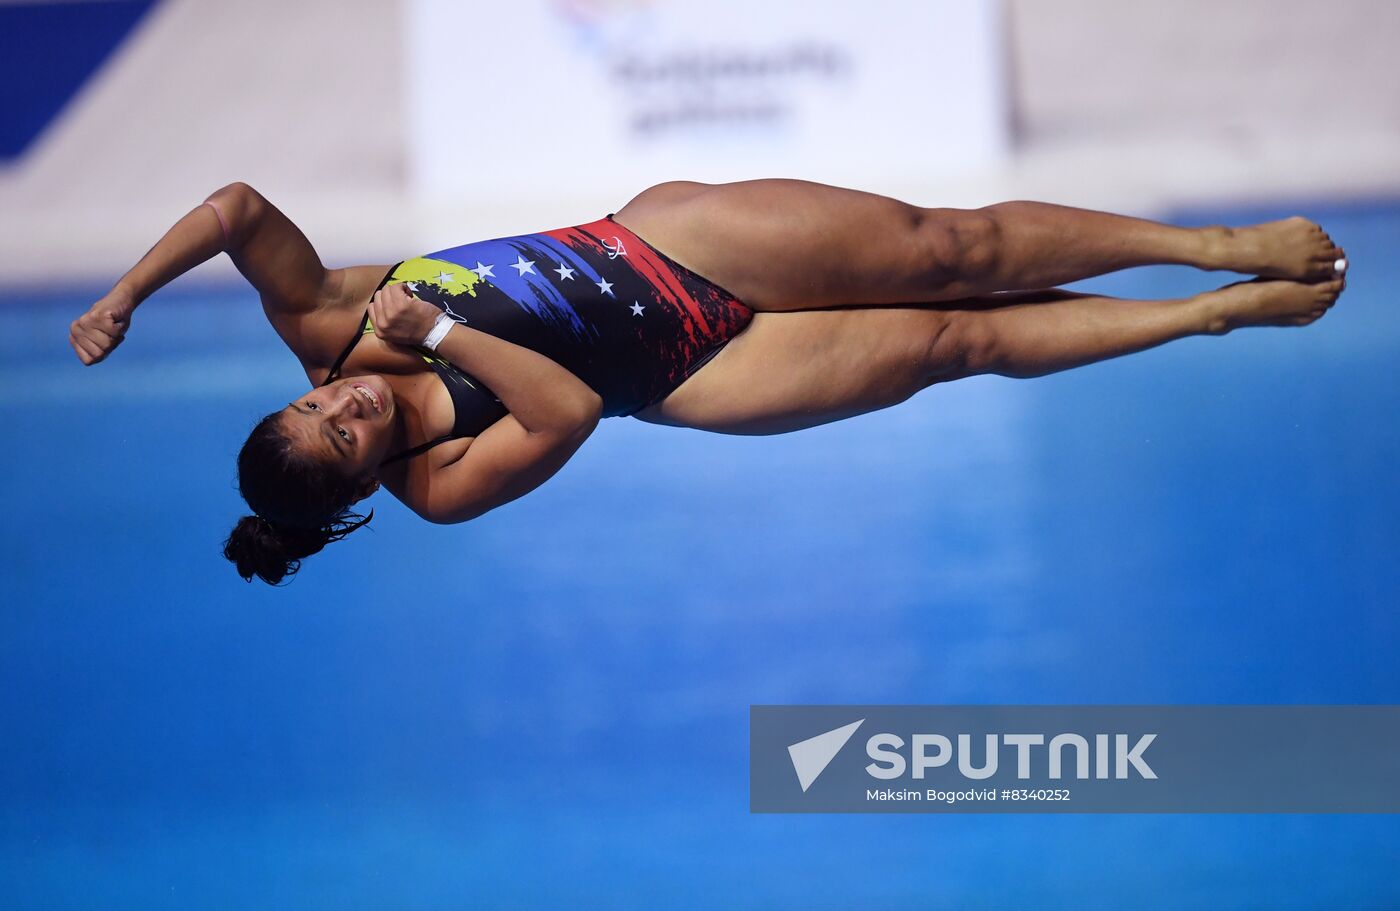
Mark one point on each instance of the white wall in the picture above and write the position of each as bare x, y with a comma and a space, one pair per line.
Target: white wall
1134, 103
542, 99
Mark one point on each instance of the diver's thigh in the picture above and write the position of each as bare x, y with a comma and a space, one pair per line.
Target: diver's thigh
788, 371
783, 244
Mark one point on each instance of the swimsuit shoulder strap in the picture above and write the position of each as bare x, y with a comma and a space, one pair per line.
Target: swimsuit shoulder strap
407, 453
417, 450
360, 332
340, 361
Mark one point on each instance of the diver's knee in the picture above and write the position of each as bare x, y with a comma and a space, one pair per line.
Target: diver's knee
963, 344
962, 246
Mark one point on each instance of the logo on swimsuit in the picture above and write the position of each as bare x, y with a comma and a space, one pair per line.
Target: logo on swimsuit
615, 252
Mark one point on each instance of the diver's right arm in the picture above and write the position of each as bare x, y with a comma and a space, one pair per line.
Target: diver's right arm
267, 248
552, 412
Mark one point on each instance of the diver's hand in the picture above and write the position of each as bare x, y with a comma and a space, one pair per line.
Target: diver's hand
400, 317
97, 332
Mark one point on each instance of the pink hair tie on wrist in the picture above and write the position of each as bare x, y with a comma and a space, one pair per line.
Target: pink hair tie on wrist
223, 225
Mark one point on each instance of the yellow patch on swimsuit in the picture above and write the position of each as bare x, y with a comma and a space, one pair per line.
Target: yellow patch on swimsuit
451, 278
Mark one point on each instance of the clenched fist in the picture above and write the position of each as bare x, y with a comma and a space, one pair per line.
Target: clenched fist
400, 317
97, 332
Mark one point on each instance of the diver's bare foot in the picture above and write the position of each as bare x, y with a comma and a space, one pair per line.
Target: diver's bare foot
1294, 248
1266, 302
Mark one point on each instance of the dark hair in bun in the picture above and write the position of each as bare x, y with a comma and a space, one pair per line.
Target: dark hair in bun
300, 505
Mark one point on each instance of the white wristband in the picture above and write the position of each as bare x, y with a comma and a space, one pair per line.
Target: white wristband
441, 326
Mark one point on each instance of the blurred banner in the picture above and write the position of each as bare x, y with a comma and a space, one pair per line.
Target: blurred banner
525, 99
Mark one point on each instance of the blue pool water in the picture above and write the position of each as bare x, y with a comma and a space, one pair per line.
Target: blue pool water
550, 704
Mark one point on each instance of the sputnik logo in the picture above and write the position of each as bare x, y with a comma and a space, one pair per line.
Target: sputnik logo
810, 757
615, 252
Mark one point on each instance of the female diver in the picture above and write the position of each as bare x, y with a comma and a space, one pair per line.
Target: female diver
464, 379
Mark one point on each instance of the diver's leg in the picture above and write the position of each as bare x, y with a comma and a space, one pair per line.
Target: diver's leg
1022, 340
788, 371
1016, 245
794, 245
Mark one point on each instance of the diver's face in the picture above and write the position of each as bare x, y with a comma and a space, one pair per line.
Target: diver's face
348, 423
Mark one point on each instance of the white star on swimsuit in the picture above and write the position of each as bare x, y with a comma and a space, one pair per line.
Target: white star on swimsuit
523, 265
605, 286
636, 308
483, 271
412, 286
444, 278
565, 272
